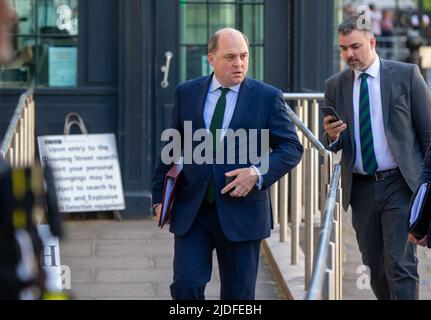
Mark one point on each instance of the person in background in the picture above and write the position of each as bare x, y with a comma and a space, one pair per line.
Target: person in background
387, 27
375, 18
7, 18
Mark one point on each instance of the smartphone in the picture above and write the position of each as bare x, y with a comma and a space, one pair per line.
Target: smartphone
330, 111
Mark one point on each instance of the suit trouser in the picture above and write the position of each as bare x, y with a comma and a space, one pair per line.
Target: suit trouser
238, 261
379, 217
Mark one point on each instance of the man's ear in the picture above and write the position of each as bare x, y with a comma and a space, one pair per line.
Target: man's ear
373, 41
211, 59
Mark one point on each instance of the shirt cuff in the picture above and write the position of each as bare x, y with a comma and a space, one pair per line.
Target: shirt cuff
260, 181
331, 144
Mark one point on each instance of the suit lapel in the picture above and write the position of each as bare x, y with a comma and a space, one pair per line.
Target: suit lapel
385, 88
245, 97
348, 104
200, 100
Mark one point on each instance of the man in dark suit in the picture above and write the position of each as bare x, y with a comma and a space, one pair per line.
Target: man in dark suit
209, 213
385, 111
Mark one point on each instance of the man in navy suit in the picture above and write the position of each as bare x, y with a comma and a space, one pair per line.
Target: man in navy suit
210, 213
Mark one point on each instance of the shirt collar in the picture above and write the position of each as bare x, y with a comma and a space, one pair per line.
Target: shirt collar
215, 84
373, 71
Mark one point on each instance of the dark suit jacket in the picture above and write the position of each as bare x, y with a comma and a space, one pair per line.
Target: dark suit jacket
406, 103
259, 106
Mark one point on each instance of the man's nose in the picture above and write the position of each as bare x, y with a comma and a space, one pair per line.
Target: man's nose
349, 53
237, 61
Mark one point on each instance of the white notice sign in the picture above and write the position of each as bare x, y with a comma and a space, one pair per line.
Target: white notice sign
86, 171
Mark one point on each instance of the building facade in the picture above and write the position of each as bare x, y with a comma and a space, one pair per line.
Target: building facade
117, 63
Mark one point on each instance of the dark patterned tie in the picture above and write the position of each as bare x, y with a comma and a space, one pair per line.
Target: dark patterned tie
216, 123
369, 161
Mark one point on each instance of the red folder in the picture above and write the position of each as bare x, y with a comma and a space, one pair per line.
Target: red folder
172, 179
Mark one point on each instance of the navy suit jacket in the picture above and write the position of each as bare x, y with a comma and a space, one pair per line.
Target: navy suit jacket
259, 106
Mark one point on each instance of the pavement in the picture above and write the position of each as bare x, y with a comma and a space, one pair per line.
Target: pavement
132, 260
355, 282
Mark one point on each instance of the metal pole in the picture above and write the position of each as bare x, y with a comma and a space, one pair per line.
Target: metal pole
309, 226
296, 211
274, 201
283, 209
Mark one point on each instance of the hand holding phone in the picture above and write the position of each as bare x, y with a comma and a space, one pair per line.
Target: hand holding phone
330, 111
333, 127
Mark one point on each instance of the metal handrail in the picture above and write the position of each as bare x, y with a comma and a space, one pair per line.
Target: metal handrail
307, 132
299, 199
18, 145
320, 267
301, 96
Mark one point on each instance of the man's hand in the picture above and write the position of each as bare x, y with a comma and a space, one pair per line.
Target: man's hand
158, 210
244, 182
333, 128
422, 242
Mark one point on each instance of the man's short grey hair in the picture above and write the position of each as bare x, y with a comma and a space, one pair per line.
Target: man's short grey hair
354, 22
214, 40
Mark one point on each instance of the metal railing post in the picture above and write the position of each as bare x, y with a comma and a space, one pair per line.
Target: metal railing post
283, 208
309, 223
274, 202
18, 145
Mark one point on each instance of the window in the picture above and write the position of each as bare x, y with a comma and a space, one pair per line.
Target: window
45, 42
201, 18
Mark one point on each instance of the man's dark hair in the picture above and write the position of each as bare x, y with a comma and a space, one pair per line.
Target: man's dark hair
354, 22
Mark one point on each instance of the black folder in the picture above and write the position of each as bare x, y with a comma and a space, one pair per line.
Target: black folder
420, 212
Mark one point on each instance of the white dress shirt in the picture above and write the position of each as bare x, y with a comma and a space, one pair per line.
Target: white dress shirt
231, 99
385, 159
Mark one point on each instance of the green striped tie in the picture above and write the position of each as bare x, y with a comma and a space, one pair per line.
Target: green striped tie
369, 161
216, 123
